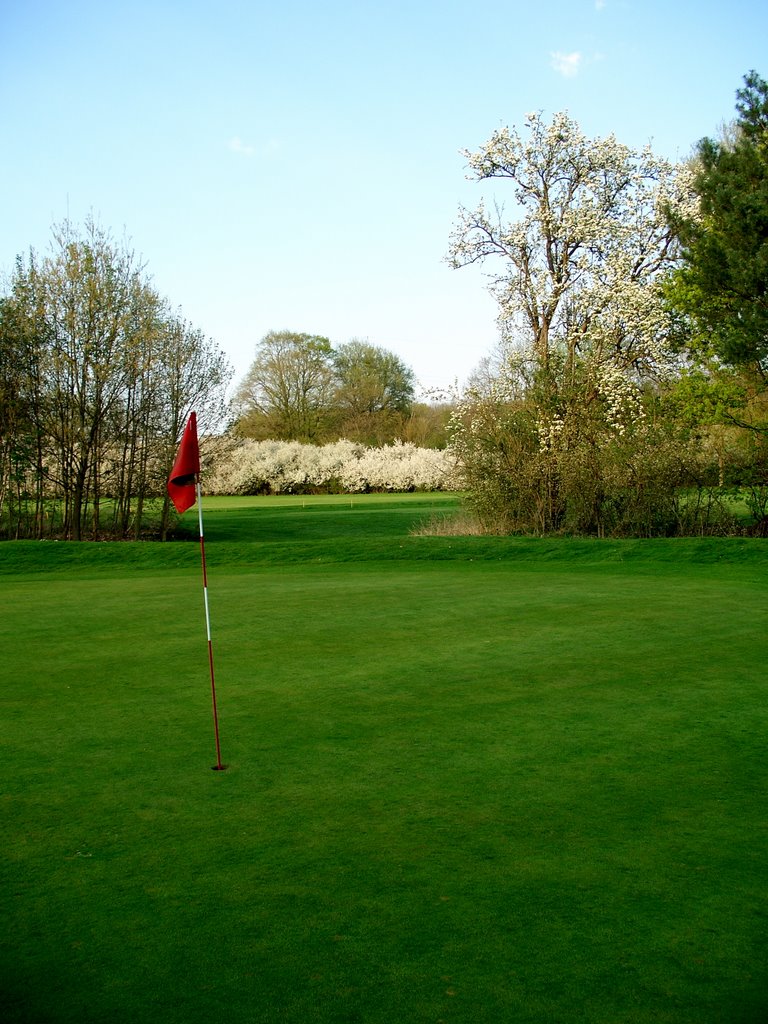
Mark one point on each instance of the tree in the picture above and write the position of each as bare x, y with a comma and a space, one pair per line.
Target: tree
373, 392
427, 424
188, 372
87, 298
21, 462
720, 292
104, 374
721, 289
286, 393
577, 268
555, 434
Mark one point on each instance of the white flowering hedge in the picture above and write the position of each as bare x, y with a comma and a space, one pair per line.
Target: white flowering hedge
289, 467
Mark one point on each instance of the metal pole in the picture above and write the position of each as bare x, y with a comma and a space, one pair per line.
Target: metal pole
218, 767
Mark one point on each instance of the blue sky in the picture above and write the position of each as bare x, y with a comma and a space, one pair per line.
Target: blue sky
297, 165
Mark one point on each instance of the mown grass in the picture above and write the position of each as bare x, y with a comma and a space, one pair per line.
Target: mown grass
471, 780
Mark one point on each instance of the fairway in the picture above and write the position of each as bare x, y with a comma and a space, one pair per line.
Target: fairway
471, 780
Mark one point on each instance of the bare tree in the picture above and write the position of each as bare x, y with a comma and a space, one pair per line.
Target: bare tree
108, 374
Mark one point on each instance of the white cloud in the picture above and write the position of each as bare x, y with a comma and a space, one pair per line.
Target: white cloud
237, 145
600, 5
269, 149
566, 64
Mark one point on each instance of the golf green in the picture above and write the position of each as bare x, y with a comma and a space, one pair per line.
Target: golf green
470, 779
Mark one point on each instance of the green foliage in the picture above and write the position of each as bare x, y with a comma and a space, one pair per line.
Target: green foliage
427, 424
721, 290
299, 388
548, 452
374, 392
705, 394
724, 410
286, 392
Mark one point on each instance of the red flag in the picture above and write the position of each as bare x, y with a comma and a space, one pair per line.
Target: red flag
181, 482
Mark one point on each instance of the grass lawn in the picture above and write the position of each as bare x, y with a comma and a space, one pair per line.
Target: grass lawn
472, 781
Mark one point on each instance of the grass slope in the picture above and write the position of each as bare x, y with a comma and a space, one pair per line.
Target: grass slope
474, 780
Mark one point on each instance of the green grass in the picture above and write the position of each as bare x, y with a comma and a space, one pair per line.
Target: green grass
471, 780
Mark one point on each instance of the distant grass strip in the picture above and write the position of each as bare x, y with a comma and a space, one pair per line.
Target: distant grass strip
464, 787
248, 532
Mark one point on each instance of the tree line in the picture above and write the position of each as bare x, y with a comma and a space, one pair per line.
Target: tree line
300, 387
629, 393
97, 377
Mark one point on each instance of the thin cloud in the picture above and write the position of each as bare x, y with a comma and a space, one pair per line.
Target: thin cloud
237, 145
269, 149
600, 5
566, 64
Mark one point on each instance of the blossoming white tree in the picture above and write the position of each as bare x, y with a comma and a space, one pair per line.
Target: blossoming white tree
577, 276
578, 268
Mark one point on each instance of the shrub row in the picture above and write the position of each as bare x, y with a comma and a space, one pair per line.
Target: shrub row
290, 467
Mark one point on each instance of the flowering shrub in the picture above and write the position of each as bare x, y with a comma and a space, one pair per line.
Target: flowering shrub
290, 467
606, 468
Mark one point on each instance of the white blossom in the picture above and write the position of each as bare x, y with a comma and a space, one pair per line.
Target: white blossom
578, 268
284, 467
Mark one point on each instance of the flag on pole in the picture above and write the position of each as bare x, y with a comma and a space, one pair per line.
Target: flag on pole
181, 482
184, 490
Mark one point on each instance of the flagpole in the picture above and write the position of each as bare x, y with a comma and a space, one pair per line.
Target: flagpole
218, 767
184, 490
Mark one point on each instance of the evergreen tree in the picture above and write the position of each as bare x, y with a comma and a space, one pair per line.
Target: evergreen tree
722, 288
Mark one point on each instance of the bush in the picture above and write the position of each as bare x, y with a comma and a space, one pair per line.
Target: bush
582, 476
290, 467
